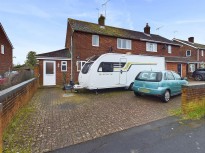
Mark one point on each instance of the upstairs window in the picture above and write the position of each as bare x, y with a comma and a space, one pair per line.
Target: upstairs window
80, 65
95, 40
2, 49
151, 47
63, 66
188, 53
202, 52
169, 49
124, 44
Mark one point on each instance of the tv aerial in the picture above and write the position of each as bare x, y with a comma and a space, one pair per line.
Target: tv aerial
105, 5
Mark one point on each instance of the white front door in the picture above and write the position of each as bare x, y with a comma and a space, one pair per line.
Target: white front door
49, 73
123, 73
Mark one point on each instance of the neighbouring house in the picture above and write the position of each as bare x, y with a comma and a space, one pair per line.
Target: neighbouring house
195, 53
6, 52
54, 67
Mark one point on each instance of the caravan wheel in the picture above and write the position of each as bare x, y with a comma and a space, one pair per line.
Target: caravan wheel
130, 87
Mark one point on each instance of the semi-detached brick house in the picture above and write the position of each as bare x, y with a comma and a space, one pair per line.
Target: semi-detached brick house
85, 39
195, 52
6, 52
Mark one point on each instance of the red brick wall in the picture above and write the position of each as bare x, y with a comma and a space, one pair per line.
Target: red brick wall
59, 74
6, 59
184, 70
12, 101
201, 58
83, 48
173, 67
184, 48
192, 96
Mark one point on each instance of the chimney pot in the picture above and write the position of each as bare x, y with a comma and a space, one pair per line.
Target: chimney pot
191, 39
101, 20
147, 29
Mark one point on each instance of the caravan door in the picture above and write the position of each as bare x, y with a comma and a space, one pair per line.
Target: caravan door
123, 73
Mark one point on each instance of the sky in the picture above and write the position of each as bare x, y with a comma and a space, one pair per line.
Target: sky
40, 25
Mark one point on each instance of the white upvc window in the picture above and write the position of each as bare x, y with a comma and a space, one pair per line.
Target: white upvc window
63, 66
95, 40
80, 65
188, 53
124, 44
169, 49
151, 47
2, 49
202, 52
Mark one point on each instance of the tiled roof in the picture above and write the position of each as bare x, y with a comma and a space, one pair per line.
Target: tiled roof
115, 32
63, 53
196, 45
180, 59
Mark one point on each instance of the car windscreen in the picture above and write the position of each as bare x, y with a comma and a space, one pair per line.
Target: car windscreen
86, 67
149, 76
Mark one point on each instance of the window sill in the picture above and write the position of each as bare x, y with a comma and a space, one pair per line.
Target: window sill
152, 51
124, 48
95, 45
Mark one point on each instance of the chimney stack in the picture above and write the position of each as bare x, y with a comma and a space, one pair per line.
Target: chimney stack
147, 29
101, 20
191, 39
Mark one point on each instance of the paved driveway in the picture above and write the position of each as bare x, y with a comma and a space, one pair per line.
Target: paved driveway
56, 119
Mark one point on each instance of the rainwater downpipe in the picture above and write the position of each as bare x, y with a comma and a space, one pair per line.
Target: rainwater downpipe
71, 54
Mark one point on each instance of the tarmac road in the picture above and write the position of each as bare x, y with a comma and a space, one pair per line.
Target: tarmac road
169, 135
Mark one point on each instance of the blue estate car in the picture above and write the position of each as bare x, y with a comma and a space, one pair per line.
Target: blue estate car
162, 83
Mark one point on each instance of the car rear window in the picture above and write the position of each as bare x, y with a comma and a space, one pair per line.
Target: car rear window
149, 76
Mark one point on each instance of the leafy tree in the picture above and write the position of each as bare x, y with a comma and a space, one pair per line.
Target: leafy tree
31, 59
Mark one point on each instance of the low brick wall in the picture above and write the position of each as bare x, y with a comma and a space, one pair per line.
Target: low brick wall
192, 95
12, 99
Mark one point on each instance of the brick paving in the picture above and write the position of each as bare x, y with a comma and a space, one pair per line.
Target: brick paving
58, 121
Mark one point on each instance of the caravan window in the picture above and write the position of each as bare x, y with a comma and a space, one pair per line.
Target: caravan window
105, 67
86, 67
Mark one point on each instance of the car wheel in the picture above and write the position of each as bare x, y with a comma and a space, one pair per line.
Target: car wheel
198, 77
137, 93
166, 96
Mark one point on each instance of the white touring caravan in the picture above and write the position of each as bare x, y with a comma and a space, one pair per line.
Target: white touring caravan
114, 70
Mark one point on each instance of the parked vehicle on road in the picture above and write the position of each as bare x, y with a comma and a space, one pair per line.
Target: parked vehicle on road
199, 74
159, 83
114, 70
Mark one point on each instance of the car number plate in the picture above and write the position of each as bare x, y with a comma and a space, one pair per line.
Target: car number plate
144, 90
